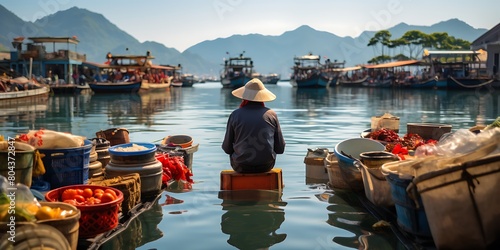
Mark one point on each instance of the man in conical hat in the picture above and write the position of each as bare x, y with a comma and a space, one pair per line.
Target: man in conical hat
253, 133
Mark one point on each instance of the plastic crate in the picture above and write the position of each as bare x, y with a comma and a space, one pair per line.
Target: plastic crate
67, 166
410, 217
94, 219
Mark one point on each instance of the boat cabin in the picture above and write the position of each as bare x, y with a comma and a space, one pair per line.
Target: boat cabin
456, 63
49, 58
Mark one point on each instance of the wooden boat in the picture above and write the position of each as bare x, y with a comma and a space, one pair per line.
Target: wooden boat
56, 67
272, 78
352, 76
188, 80
458, 69
128, 74
20, 88
116, 87
309, 72
393, 74
237, 71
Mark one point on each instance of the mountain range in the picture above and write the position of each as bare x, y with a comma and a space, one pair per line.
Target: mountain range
270, 54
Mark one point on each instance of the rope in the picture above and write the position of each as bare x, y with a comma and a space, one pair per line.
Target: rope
471, 86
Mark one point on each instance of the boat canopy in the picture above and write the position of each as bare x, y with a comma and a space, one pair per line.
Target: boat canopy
394, 64
452, 52
72, 40
347, 69
308, 57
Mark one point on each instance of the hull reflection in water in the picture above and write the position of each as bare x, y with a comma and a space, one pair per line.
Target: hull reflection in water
140, 231
252, 218
346, 212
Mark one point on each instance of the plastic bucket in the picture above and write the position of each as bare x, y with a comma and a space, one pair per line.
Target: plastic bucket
151, 175
347, 152
183, 141
118, 154
23, 159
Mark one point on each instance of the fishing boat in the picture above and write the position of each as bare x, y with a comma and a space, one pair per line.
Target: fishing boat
128, 74
397, 74
458, 69
309, 72
56, 67
272, 78
352, 76
188, 80
236, 71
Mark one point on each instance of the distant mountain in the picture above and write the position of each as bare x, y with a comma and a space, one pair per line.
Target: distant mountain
270, 53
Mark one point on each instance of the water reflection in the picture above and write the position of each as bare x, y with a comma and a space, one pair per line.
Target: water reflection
252, 218
136, 108
18, 111
346, 212
140, 231
230, 102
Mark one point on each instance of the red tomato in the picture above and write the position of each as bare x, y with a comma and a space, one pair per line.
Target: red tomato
68, 194
78, 198
111, 191
79, 191
98, 190
98, 195
107, 197
87, 193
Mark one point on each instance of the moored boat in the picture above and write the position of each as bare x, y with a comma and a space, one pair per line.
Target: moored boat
458, 69
128, 74
272, 78
309, 72
20, 88
236, 71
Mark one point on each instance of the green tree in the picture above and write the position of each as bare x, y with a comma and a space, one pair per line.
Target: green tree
416, 40
383, 37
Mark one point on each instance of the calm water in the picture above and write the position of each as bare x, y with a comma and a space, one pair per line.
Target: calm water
306, 215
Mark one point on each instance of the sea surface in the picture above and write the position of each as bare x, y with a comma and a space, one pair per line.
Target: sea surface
307, 214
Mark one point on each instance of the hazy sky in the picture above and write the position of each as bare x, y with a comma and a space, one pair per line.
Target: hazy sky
183, 23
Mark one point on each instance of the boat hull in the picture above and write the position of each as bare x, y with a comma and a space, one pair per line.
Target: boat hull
235, 82
314, 81
467, 83
122, 87
14, 96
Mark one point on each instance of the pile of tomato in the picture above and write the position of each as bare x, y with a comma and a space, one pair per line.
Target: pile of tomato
88, 196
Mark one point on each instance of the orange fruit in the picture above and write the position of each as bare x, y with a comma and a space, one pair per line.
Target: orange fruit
98, 195
45, 213
107, 197
87, 193
111, 191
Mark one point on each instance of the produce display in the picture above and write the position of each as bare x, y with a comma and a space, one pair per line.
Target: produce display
87, 196
397, 145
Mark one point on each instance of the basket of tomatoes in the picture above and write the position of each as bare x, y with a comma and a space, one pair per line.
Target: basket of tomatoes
99, 206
